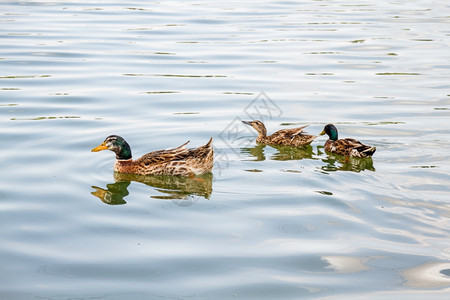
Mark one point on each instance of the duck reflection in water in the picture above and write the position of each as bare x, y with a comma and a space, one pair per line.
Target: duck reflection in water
336, 162
282, 152
179, 189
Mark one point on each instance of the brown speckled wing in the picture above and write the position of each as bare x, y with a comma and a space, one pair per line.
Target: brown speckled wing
283, 133
360, 147
176, 161
292, 136
161, 156
350, 147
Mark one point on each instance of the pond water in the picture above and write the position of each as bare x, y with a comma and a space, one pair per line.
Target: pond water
270, 222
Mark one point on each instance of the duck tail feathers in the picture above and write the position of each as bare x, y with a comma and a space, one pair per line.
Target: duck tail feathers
370, 151
208, 144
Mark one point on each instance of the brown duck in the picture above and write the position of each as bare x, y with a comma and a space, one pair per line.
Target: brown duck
176, 161
345, 147
290, 137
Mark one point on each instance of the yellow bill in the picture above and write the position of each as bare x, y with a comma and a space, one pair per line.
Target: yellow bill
100, 147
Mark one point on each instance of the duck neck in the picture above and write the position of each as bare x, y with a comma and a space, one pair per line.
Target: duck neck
333, 135
123, 152
123, 165
262, 132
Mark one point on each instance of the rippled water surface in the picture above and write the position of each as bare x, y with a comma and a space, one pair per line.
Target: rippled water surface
270, 222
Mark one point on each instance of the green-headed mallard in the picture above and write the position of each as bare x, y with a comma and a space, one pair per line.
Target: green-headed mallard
346, 147
176, 161
289, 137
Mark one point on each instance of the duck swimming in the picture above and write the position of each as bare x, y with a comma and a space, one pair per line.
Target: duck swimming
345, 147
289, 137
176, 161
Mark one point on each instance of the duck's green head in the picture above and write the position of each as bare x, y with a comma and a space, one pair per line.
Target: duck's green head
331, 131
116, 144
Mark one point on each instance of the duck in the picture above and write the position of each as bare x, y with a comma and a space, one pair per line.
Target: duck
289, 137
346, 147
175, 161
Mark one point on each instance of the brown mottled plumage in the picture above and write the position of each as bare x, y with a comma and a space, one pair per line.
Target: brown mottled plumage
346, 147
176, 161
289, 137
